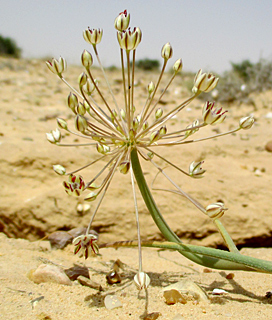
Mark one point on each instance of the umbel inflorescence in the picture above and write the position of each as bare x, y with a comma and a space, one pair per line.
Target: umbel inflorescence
122, 133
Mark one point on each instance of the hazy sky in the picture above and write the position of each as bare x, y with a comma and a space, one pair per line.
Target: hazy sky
206, 34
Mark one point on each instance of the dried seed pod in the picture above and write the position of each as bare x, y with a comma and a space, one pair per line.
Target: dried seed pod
113, 277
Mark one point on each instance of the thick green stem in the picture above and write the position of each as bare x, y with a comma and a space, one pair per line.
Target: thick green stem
208, 260
245, 263
226, 237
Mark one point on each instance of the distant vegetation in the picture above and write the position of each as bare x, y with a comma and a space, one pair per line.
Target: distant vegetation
243, 79
148, 64
8, 47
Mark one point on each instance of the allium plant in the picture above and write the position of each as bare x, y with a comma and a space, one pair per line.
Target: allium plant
122, 134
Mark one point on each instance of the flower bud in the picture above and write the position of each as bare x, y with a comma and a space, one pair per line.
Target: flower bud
163, 131
167, 51
211, 116
150, 87
204, 82
141, 280
215, 210
80, 109
123, 113
135, 123
195, 169
54, 136
124, 167
113, 115
145, 125
57, 66
62, 123
72, 101
158, 113
177, 66
93, 36
191, 129
155, 136
86, 59
81, 123
59, 169
122, 21
89, 86
82, 79
150, 155
246, 122
91, 196
92, 186
129, 40
102, 148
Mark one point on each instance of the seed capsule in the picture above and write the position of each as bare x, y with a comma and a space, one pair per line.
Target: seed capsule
113, 277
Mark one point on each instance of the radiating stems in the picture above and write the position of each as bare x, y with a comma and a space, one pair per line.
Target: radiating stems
73, 89
226, 237
106, 78
105, 102
143, 117
162, 94
103, 194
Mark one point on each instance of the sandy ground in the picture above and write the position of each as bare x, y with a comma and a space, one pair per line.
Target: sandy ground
33, 204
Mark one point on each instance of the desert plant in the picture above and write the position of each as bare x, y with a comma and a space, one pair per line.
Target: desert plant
122, 135
147, 64
8, 47
243, 79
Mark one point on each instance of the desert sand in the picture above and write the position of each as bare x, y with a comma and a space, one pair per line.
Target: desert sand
33, 205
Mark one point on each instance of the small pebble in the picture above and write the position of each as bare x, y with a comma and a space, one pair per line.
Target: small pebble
183, 291
49, 273
218, 292
230, 276
113, 277
152, 316
76, 271
60, 239
89, 283
112, 302
268, 146
83, 208
173, 296
268, 115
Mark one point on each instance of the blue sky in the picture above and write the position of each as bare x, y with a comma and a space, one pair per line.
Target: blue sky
206, 34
